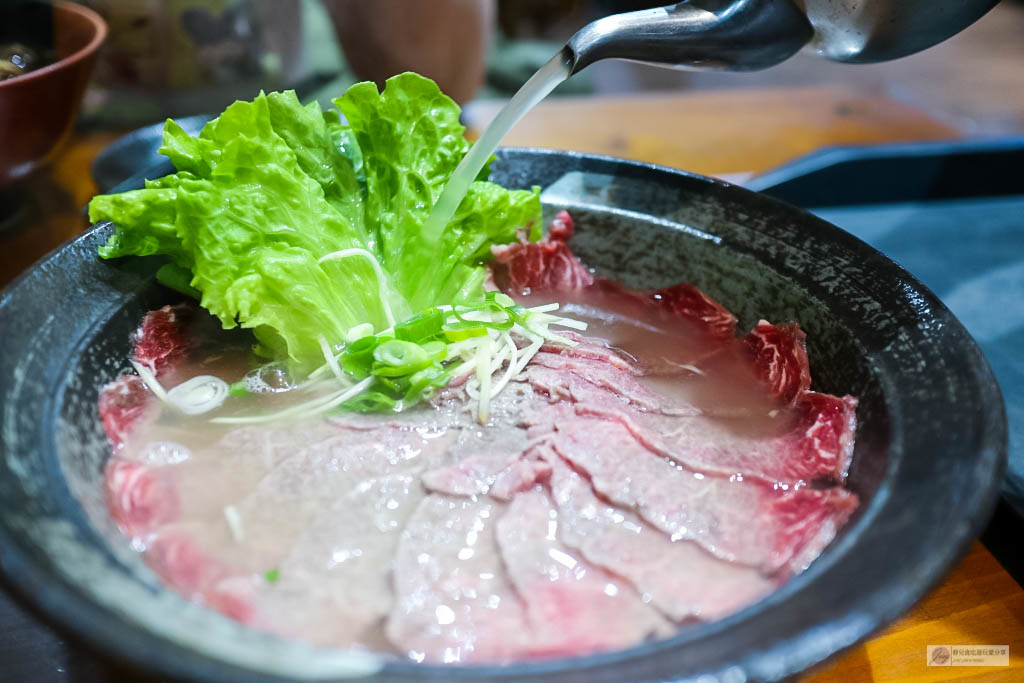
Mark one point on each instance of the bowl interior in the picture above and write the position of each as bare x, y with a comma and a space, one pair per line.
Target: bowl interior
927, 471
63, 27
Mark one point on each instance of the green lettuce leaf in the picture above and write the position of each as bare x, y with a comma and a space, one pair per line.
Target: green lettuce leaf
270, 187
149, 216
411, 142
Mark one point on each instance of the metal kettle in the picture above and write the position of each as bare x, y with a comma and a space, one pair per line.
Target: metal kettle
746, 35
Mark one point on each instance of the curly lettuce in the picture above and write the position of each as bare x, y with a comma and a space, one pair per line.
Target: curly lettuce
271, 187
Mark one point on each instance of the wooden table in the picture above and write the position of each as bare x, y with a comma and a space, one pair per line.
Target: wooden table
720, 132
716, 132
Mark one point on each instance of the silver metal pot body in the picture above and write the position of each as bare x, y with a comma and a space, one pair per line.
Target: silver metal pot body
746, 35
864, 31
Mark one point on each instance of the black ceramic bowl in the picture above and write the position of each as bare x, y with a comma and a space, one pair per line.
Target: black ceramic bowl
930, 452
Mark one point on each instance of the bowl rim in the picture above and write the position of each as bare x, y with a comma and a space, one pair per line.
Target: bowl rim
100, 34
93, 623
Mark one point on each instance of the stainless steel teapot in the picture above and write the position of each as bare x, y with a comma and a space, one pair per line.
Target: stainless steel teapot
747, 35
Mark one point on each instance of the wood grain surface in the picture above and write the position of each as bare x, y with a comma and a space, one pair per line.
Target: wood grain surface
978, 604
52, 205
713, 133
716, 132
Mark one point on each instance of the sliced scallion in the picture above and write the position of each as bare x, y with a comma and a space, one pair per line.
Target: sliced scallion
198, 395
422, 327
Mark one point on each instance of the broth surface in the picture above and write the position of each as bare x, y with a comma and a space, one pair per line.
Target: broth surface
632, 480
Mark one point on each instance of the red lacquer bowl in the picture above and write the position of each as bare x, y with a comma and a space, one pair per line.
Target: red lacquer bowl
38, 110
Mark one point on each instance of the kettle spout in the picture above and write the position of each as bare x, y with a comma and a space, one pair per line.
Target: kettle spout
736, 35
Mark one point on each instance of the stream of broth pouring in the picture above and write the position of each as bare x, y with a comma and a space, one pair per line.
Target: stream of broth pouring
533, 91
